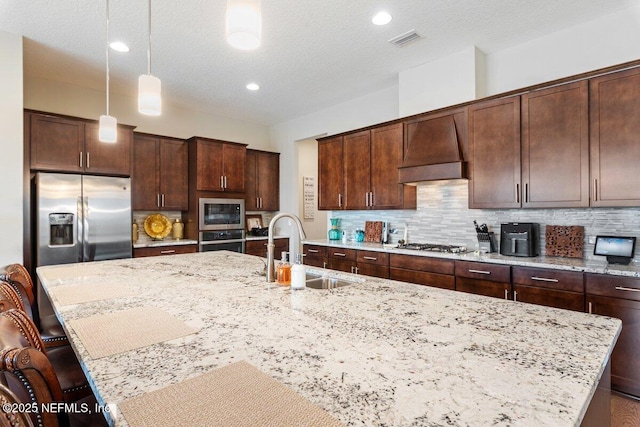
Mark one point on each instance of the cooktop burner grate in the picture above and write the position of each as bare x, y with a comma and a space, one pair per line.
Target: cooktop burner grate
434, 247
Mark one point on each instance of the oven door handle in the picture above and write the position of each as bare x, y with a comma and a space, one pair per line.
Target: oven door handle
218, 242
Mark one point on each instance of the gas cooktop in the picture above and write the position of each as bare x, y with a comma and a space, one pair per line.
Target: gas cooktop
434, 247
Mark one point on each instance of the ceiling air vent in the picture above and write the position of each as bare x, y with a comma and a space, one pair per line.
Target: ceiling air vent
405, 39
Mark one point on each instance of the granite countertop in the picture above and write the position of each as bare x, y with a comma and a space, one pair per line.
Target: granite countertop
165, 242
377, 352
559, 263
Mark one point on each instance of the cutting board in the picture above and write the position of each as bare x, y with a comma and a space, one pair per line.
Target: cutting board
373, 231
564, 241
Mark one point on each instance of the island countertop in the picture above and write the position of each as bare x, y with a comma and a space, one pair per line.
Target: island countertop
377, 352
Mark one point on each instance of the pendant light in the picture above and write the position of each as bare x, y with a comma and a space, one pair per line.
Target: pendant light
244, 23
108, 129
149, 100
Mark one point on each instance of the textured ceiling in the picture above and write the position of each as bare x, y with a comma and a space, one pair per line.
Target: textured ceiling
314, 53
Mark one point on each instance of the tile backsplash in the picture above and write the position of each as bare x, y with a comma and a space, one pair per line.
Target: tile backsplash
443, 216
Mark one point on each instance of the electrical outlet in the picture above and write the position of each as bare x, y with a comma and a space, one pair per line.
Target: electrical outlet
592, 240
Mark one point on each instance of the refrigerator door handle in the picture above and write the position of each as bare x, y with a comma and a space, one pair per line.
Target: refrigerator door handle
86, 256
80, 229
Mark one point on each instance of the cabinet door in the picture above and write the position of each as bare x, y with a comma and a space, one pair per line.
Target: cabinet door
234, 158
108, 158
357, 170
494, 142
209, 166
257, 248
549, 297
555, 147
144, 180
386, 157
173, 177
625, 363
330, 174
615, 148
251, 201
56, 143
268, 167
487, 288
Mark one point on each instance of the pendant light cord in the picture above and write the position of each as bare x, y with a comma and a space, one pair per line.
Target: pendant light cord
149, 44
107, 52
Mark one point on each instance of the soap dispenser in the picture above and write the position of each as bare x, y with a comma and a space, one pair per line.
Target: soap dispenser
284, 271
298, 274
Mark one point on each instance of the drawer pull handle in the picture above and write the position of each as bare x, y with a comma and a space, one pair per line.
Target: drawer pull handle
479, 271
370, 258
515, 295
313, 251
623, 288
544, 279
172, 251
339, 254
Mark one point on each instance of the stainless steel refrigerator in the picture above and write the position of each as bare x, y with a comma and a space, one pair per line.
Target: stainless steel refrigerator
82, 218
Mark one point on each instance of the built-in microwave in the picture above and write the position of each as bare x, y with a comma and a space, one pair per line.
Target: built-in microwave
221, 214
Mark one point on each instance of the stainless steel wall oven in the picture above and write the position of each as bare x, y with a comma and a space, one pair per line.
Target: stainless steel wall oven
221, 225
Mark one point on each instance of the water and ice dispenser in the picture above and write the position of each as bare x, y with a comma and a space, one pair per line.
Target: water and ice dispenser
61, 229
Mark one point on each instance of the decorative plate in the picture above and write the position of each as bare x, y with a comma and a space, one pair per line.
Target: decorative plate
157, 226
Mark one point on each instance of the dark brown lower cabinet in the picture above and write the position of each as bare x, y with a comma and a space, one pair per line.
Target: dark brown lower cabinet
342, 259
491, 280
619, 297
164, 250
422, 270
371, 263
315, 255
259, 247
551, 288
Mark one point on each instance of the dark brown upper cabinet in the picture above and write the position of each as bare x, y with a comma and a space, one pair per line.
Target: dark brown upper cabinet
331, 173
555, 147
220, 165
66, 144
615, 139
494, 153
262, 181
160, 173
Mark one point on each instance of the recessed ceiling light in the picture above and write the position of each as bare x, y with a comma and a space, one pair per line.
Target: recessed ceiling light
253, 86
381, 18
119, 47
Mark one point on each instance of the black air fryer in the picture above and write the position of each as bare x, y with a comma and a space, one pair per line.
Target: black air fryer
519, 239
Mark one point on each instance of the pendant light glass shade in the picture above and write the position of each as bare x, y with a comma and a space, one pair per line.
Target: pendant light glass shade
108, 126
244, 24
108, 130
149, 87
149, 99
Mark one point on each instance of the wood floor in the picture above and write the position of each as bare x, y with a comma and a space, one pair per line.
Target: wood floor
625, 412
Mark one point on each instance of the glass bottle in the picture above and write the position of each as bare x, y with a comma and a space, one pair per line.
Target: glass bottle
334, 233
284, 271
177, 231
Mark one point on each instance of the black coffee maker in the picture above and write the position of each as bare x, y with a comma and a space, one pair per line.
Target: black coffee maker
519, 239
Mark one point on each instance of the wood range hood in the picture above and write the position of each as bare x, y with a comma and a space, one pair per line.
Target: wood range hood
433, 151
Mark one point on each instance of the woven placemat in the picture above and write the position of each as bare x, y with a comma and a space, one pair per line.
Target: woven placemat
78, 294
238, 395
72, 271
113, 333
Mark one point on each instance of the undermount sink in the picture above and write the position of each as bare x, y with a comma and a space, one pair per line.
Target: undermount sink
316, 281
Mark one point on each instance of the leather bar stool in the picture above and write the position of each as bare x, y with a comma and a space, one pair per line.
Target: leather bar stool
17, 330
50, 329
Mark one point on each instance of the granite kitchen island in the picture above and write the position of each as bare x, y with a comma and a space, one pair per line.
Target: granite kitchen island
377, 352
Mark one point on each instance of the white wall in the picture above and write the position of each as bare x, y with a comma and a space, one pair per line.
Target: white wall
447, 81
11, 136
316, 227
64, 98
610, 40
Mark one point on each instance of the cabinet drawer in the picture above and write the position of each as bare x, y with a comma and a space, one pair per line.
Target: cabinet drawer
165, 250
314, 251
613, 286
422, 263
372, 257
487, 288
549, 297
423, 278
547, 278
373, 270
483, 271
342, 254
